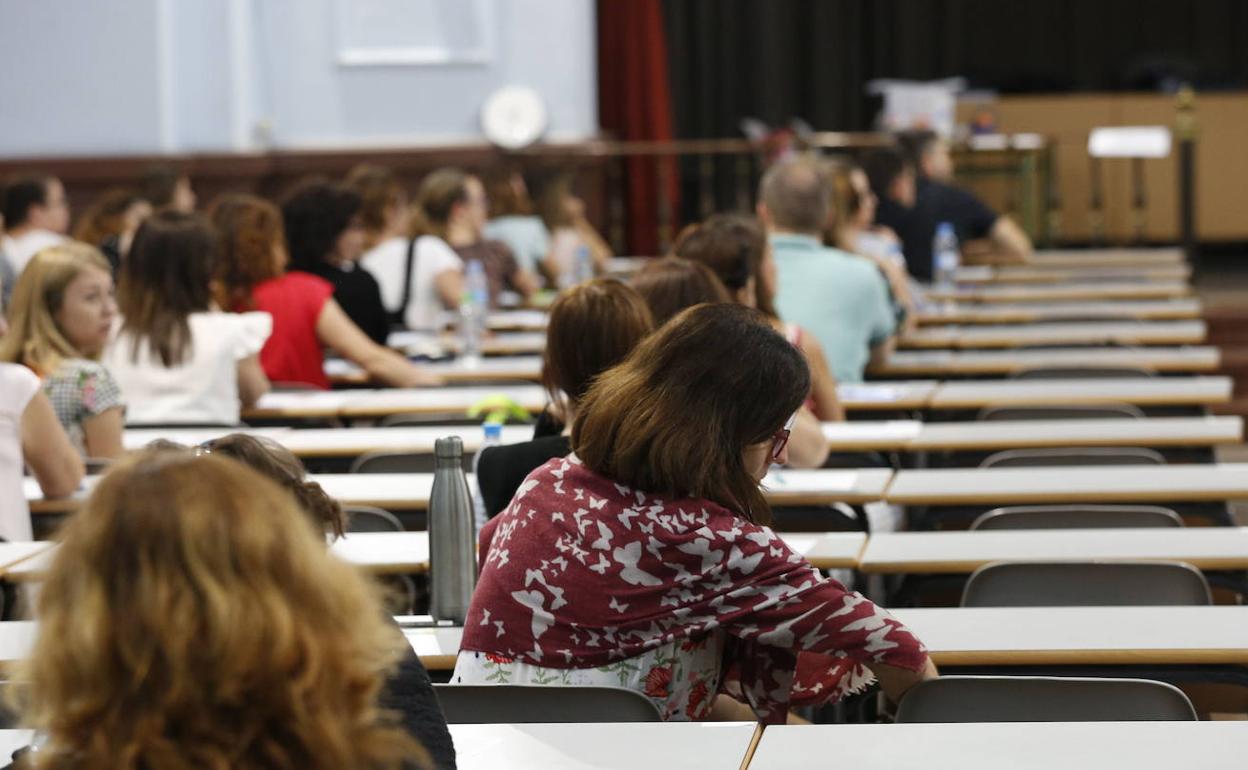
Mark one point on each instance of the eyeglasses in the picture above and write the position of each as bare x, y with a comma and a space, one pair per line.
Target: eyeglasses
780, 439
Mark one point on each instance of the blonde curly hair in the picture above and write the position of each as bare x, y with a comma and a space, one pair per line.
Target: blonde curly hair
192, 618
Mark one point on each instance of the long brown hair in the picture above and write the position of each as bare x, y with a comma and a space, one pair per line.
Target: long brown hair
34, 338
106, 216
380, 191
193, 618
734, 247
593, 326
671, 284
437, 197
166, 277
675, 416
251, 232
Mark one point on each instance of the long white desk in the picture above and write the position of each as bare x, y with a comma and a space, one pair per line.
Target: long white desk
1087, 484
458, 370
1080, 333
675, 745
1147, 391
998, 275
945, 363
1089, 291
1014, 745
1025, 636
1209, 548
1021, 434
1118, 256
1015, 313
416, 343
411, 491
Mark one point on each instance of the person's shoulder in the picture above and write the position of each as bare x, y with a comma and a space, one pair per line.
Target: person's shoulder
76, 368
17, 384
299, 280
396, 245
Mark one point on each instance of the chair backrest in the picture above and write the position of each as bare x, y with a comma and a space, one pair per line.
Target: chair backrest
1043, 699
1039, 458
1077, 517
521, 704
366, 518
392, 462
1059, 412
1081, 373
1086, 584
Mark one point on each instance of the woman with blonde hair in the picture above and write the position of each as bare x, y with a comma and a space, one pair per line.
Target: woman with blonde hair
192, 618
59, 322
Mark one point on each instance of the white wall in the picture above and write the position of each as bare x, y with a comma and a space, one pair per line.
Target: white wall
150, 76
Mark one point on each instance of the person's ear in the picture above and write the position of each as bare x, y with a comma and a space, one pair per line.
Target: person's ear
764, 215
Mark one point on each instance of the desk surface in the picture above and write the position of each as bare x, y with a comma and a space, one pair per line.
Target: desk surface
458, 370
1144, 391
1114, 256
936, 363
676, 745
1010, 274
1017, 745
1025, 636
503, 343
1081, 333
1074, 292
1022, 434
1003, 312
1210, 548
1104, 484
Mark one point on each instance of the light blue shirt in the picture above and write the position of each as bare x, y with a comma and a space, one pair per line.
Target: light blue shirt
526, 235
839, 297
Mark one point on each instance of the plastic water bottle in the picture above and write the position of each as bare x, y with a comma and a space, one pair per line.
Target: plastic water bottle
493, 437
582, 265
945, 254
452, 537
473, 308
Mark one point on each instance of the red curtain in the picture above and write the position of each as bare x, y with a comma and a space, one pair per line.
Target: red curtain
635, 104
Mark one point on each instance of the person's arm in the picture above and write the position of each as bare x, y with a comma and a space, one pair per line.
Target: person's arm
449, 285
524, 283
335, 330
51, 456
822, 381
252, 382
1009, 240
884, 323
102, 433
807, 446
896, 681
598, 247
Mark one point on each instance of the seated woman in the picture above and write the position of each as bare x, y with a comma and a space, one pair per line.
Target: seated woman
324, 237
30, 437
735, 248
111, 221
571, 232
645, 559
179, 358
513, 221
421, 275
192, 618
61, 318
592, 327
408, 690
671, 284
306, 317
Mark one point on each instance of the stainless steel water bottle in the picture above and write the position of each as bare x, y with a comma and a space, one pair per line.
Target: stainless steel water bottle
452, 536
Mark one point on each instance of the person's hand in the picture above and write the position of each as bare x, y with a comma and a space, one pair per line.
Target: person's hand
422, 378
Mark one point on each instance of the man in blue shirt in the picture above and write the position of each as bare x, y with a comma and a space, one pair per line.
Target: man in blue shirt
839, 297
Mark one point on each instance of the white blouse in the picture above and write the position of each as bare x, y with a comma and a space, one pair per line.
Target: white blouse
203, 389
387, 261
17, 386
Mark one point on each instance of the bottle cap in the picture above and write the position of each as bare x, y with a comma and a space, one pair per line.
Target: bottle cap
493, 429
944, 228
448, 448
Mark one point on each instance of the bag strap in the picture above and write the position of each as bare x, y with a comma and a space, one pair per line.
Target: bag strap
399, 316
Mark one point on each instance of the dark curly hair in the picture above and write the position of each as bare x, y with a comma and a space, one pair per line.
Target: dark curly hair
316, 213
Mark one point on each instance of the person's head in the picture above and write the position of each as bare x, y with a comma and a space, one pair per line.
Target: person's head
671, 284
592, 327
166, 187
192, 611
557, 205
852, 198
115, 213
322, 224
383, 202
62, 307
794, 196
36, 202
929, 154
735, 248
450, 200
697, 409
253, 247
891, 175
168, 275
507, 193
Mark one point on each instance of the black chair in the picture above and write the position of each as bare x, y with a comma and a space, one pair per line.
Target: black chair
1043, 699
1061, 412
366, 518
1082, 373
1086, 584
393, 462
1077, 517
1042, 458
525, 704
